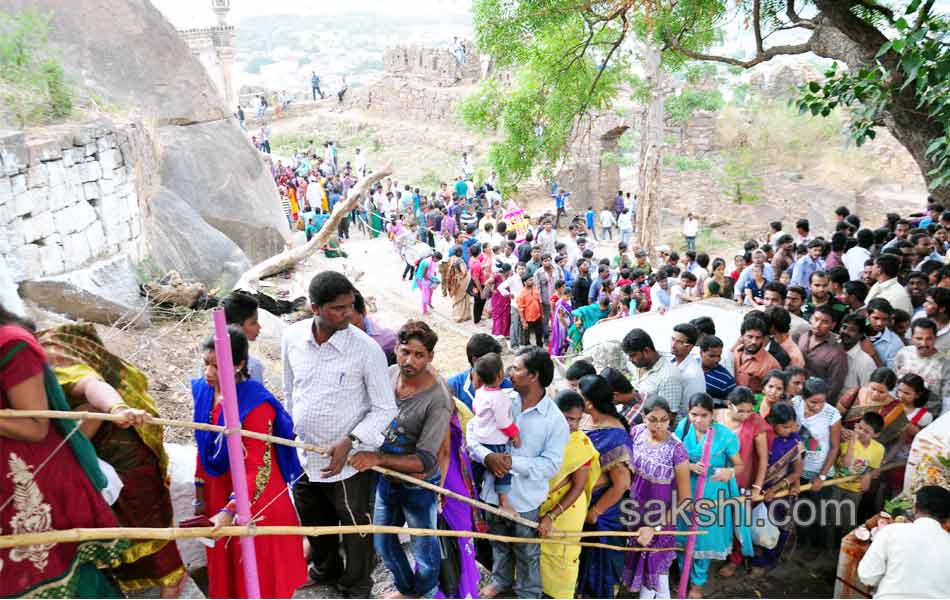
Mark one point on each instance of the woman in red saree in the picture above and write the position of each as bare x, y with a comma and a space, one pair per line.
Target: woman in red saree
270, 468
37, 494
753, 432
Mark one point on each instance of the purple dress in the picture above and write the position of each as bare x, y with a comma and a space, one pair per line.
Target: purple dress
458, 515
500, 309
653, 479
559, 340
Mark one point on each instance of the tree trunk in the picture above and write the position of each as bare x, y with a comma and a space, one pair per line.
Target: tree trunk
844, 37
290, 257
651, 152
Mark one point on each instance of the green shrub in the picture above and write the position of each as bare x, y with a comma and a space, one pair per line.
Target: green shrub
33, 84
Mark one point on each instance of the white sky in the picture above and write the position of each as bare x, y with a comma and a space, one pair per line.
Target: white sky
197, 13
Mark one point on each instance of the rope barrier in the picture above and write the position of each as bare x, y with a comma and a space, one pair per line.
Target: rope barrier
79, 415
67, 536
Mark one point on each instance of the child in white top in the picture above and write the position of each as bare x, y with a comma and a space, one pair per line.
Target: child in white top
493, 425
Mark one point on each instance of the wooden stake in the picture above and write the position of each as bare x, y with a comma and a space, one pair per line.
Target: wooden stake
67, 536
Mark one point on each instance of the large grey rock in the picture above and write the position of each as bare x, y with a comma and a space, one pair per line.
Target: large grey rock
127, 51
105, 292
236, 196
9, 298
178, 238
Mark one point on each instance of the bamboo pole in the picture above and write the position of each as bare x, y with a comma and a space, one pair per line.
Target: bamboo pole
79, 415
74, 536
835, 481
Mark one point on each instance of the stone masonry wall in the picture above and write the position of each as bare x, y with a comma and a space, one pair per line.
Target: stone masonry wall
67, 198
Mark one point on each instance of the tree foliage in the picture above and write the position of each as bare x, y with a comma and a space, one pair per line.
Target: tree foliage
569, 58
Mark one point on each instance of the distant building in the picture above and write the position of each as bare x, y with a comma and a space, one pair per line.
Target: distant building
214, 48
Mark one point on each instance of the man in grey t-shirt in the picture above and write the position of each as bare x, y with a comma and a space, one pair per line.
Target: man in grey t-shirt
411, 445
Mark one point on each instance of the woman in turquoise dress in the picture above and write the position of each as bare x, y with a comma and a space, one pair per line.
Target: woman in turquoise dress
724, 461
601, 569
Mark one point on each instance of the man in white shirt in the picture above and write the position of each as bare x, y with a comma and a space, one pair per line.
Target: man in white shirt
327, 359
909, 560
690, 229
691, 370
359, 163
855, 258
860, 365
685, 291
886, 267
607, 222
625, 225
547, 239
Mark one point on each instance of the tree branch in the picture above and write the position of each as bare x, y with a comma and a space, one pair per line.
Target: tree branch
757, 26
760, 57
794, 17
881, 10
923, 14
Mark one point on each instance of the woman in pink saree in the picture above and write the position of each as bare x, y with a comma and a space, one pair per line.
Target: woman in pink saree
427, 278
501, 303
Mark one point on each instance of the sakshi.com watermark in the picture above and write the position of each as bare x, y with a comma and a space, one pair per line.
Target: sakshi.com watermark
723, 510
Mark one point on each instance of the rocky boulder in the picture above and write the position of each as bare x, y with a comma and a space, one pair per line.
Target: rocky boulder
213, 169
104, 292
130, 54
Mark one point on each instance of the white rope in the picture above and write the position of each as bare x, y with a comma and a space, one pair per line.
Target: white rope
47, 459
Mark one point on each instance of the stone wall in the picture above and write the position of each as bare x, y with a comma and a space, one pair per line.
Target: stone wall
67, 199
437, 66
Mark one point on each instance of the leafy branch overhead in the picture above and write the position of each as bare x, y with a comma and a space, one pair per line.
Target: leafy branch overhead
568, 59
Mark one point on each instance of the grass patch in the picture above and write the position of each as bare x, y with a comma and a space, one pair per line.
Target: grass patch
686, 163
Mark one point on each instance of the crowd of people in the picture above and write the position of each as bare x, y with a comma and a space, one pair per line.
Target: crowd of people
842, 360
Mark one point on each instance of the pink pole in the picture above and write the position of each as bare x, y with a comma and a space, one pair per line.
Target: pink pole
694, 525
232, 420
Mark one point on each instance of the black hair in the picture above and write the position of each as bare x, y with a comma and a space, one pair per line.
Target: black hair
689, 330
798, 290
569, 400
537, 361
781, 414
776, 286
239, 306
598, 392
754, 324
858, 320
941, 297
889, 264
934, 500
874, 421
655, 401
702, 400
420, 331
776, 374
710, 341
802, 224
637, 340
489, 368
865, 238
704, 324
617, 380
780, 318
916, 383
741, 395
327, 286
925, 323
9, 318
839, 275
856, 288
885, 376
880, 304
479, 345
814, 386
239, 348
824, 309
578, 369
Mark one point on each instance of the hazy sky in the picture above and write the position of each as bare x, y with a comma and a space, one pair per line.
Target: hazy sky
197, 13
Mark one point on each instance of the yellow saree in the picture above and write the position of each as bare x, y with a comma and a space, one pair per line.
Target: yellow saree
560, 563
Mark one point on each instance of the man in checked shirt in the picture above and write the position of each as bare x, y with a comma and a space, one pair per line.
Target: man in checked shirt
337, 389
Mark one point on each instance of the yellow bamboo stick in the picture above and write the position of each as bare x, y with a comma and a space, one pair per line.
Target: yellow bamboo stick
827, 482
78, 535
79, 415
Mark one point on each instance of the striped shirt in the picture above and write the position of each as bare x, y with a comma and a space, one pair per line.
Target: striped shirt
334, 389
719, 382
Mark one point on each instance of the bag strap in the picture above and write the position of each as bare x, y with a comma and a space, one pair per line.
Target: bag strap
11, 353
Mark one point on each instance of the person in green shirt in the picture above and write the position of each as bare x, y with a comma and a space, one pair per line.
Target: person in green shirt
820, 287
311, 229
461, 188
622, 260
586, 317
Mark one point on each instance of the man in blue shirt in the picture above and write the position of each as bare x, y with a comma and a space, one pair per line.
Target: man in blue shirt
544, 434
808, 264
719, 381
758, 257
460, 384
560, 203
885, 343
